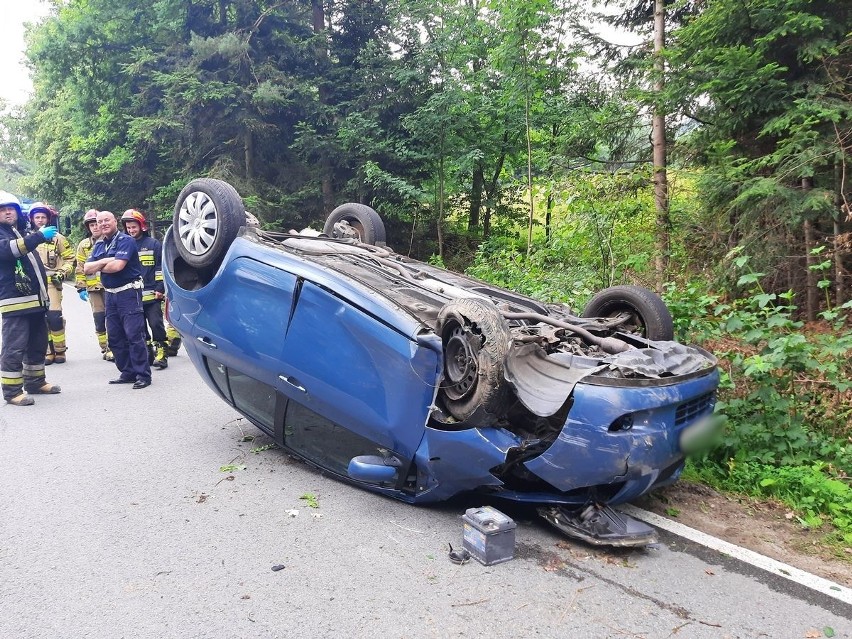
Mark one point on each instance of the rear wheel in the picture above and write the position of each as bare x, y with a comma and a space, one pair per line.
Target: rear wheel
476, 340
355, 221
207, 217
645, 313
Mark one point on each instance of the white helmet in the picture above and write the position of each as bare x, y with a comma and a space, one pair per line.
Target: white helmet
7, 199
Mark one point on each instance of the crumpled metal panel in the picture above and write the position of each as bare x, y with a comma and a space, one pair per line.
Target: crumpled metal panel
665, 359
450, 462
543, 382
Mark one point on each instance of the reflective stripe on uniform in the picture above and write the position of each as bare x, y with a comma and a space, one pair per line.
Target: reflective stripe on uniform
33, 371
149, 296
19, 303
18, 247
11, 378
93, 281
146, 257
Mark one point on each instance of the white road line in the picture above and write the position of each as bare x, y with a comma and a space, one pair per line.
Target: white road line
801, 577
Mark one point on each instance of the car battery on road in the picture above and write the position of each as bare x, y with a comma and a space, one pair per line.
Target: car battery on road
489, 535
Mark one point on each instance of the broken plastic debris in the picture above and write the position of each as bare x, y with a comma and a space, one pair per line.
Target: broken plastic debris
294, 512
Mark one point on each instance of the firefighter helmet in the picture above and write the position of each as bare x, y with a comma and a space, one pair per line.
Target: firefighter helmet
90, 216
132, 215
7, 199
49, 211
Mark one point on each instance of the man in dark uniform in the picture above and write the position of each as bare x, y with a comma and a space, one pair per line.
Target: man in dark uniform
116, 258
23, 306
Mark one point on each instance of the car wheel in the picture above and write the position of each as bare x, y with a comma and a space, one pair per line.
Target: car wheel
208, 215
356, 221
476, 340
647, 313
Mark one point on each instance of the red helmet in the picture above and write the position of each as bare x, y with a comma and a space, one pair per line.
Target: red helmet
41, 207
132, 215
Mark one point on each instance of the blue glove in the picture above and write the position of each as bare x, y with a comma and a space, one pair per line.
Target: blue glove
84, 294
48, 232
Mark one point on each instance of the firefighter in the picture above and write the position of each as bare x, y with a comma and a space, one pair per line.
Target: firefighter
23, 300
58, 259
150, 254
174, 340
89, 287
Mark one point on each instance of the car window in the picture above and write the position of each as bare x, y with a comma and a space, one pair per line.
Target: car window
254, 398
321, 441
219, 375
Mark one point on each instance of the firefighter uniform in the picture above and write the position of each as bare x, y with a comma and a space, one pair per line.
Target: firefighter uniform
173, 340
58, 259
91, 284
153, 292
23, 303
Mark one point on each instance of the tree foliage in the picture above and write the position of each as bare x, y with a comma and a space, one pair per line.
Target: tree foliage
458, 119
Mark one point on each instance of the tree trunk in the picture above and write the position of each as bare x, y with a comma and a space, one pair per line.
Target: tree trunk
491, 187
476, 188
548, 214
529, 172
811, 276
551, 171
223, 13
248, 151
321, 52
439, 223
839, 278
658, 141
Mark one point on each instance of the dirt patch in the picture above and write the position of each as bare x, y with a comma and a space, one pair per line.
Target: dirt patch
768, 528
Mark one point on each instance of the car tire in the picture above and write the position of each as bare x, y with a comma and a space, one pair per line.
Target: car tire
476, 340
650, 316
363, 220
207, 217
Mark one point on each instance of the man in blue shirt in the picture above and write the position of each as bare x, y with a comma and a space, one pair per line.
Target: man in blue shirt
116, 257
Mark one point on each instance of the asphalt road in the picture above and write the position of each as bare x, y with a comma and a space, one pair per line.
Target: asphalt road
116, 520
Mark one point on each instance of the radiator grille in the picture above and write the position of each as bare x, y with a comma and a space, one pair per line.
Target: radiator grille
688, 411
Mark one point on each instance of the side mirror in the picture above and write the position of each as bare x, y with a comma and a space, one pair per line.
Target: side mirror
373, 469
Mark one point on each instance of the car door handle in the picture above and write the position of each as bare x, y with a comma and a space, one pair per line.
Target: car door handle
292, 381
206, 341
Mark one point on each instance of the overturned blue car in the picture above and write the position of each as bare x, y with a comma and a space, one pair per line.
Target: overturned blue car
419, 383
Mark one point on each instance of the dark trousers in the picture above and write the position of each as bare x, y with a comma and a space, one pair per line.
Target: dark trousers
125, 324
154, 315
22, 357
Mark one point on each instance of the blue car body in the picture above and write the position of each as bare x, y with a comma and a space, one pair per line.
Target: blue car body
339, 360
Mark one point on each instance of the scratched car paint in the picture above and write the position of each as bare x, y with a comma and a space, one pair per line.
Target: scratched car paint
420, 383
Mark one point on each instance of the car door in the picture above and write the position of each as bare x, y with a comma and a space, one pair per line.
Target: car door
244, 325
358, 372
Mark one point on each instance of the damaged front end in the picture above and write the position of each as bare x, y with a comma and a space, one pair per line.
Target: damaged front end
582, 429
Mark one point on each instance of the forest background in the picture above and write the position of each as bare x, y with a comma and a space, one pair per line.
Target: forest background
708, 161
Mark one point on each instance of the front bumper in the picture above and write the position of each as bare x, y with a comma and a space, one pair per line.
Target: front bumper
624, 438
